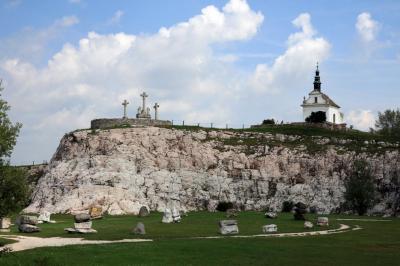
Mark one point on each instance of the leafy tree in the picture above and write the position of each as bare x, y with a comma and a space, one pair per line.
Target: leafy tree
13, 185
14, 189
8, 131
388, 123
270, 121
316, 117
360, 189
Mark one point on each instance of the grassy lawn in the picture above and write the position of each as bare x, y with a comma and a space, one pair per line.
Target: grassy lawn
377, 244
194, 225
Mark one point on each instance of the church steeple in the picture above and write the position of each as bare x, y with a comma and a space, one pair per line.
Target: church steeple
317, 80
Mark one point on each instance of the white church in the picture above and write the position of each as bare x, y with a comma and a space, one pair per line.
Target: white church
318, 101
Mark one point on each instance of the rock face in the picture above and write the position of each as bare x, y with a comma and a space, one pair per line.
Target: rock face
122, 170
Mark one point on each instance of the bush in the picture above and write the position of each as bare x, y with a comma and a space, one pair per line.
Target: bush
360, 188
270, 121
388, 123
224, 206
14, 190
316, 117
287, 206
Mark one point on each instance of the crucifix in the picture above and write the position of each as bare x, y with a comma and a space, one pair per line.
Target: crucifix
125, 104
156, 105
144, 95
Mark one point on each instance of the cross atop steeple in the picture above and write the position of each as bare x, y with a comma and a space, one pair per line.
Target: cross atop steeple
317, 80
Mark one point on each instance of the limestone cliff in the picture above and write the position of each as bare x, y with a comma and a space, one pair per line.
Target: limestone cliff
124, 169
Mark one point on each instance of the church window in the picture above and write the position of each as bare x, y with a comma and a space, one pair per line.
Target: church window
315, 99
334, 118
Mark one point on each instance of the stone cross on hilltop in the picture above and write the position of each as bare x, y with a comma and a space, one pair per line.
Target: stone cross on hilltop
144, 96
156, 106
143, 112
125, 104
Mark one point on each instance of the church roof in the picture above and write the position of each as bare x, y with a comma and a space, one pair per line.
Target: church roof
329, 100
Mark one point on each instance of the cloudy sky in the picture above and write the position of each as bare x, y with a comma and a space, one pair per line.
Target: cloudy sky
66, 62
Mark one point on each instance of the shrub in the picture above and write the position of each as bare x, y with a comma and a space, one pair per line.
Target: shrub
270, 121
316, 117
360, 189
14, 189
287, 206
223, 206
388, 123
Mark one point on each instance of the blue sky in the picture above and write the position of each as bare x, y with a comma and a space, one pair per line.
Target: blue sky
66, 62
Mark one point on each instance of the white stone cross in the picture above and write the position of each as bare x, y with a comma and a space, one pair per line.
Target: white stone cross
144, 95
125, 104
156, 105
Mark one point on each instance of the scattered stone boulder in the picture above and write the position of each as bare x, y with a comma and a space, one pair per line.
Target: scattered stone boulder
271, 215
176, 216
143, 212
299, 210
228, 227
28, 228
308, 225
139, 229
44, 217
82, 225
167, 217
5, 223
27, 219
323, 221
270, 228
96, 212
82, 217
231, 213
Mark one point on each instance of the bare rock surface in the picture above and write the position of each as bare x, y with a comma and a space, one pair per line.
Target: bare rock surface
122, 170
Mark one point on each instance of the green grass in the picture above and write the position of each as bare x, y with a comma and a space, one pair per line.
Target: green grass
194, 225
378, 243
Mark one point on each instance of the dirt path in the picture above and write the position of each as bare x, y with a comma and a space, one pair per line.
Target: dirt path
30, 242
342, 229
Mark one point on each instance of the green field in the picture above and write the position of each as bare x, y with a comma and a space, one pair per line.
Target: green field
378, 243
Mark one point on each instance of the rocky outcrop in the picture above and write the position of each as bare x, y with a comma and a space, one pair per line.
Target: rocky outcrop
122, 170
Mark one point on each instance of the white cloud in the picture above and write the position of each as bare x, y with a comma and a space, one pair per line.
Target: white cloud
304, 49
177, 66
67, 21
361, 119
367, 28
116, 18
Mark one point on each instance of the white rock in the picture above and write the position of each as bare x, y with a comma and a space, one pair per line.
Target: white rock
270, 228
121, 170
322, 221
308, 225
167, 217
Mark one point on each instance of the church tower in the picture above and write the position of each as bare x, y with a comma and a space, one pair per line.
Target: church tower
318, 101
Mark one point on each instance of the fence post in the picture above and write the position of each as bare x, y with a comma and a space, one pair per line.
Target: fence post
183, 122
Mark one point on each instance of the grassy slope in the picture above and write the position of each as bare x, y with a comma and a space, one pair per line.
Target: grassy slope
377, 244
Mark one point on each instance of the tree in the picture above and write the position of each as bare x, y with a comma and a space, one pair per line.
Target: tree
316, 117
8, 130
13, 185
269, 121
14, 189
360, 188
388, 123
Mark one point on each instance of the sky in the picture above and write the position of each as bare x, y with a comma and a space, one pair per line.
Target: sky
236, 62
